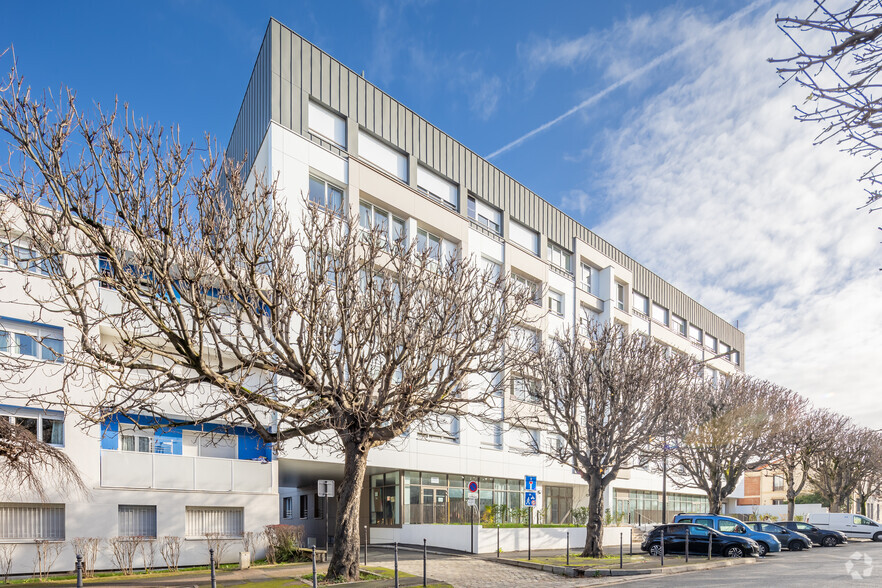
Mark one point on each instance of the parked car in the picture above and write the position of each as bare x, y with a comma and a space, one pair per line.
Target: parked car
825, 537
789, 538
854, 526
699, 536
767, 543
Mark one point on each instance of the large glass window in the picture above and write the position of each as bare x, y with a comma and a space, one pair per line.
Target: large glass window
433, 498
558, 504
30, 522
31, 340
385, 490
46, 426
373, 218
325, 194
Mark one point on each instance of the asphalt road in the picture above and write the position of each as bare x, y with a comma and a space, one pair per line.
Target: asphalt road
858, 563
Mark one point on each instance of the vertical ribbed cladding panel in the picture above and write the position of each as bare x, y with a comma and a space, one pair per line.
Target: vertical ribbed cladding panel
298, 64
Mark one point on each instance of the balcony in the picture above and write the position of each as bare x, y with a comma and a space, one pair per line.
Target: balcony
127, 469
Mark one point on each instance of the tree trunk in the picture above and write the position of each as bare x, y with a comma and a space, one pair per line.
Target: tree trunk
344, 558
594, 534
791, 509
864, 506
715, 502
836, 504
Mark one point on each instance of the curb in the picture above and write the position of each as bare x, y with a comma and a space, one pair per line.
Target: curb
575, 572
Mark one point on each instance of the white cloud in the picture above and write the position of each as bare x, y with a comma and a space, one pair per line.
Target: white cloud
714, 186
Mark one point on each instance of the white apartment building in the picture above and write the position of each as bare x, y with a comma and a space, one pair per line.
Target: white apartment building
325, 131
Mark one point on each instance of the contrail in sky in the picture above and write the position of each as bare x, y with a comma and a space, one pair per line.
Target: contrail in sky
630, 77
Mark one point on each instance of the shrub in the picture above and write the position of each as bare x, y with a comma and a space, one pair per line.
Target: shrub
124, 550
6, 551
580, 515
170, 549
47, 553
283, 542
88, 548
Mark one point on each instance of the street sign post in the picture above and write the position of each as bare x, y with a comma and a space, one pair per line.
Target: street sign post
530, 502
326, 490
473, 487
530, 483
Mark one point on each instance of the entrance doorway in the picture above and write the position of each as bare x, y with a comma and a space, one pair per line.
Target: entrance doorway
435, 506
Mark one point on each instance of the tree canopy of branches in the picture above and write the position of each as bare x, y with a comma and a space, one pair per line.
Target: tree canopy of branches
837, 59
722, 430
803, 434
197, 292
603, 395
837, 471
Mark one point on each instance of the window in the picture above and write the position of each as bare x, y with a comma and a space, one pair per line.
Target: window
325, 194
304, 506
385, 491
372, 218
727, 526
318, 511
559, 257
524, 389
639, 303
485, 215
523, 236
288, 507
225, 521
206, 444
491, 266
736, 358
326, 124
725, 349
588, 277
383, 156
137, 521
28, 260
47, 426
678, 324
620, 296
660, 314
33, 340
588, 318
441, 188
777, 483
556, 302
710, 342
525, 338
533, 288
135, 439
695, 335
31, 522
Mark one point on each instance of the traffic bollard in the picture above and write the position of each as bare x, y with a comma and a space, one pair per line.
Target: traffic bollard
314, 573
211, 565
497, 540
79, 571
365, 544
425, 557
568, 548
631, 541
621, 550
710, 544
396, 564
687, 544
662, 549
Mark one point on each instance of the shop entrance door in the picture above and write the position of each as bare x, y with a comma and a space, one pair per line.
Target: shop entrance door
435, 506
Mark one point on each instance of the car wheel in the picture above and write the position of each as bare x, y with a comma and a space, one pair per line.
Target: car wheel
829, 541
763, 549
796, 546
655, 550
734, 552
877, 537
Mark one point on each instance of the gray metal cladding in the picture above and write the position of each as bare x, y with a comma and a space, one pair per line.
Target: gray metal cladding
290, 70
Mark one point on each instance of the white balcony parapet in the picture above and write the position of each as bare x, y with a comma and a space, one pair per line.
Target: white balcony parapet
126, 469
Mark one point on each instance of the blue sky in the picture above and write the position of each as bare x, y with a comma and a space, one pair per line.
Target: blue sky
685, 155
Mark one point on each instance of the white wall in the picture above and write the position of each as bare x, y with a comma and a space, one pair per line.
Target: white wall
778, 510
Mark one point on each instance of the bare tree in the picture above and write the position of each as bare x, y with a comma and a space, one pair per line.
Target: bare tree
803, 433
195, 291
6, 552
45, 554
170, 549
870, 485
837, 59
837, 471
88, 548
124, 550
603, 395
723, 430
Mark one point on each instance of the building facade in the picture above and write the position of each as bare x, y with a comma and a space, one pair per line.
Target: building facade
324, 131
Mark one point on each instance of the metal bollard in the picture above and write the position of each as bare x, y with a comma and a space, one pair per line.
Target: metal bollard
497, 540
396, 564
425, 557
662, 549
365, 544
314, 573
621, 550
687, 544
568, 548
211, 565
710, 543
79, 571
631, 541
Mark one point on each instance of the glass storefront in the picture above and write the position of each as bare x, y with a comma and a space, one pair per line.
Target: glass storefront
559, 504
640, 506
385, 490
432, 498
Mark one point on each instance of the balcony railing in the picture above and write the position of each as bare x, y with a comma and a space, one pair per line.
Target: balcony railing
127, 469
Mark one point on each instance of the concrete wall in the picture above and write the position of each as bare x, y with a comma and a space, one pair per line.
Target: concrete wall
778, 510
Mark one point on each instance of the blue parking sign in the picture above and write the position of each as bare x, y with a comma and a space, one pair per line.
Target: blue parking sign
530, 499
530, 482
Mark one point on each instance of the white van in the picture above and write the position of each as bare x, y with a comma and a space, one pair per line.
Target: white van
855, 526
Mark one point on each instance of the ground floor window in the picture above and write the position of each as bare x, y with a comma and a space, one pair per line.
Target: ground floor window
224, 521
558, 504
385, 491
434, 498
643, 506
30, 522
137, 520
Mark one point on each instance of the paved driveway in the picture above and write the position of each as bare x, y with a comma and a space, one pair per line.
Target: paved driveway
859, 563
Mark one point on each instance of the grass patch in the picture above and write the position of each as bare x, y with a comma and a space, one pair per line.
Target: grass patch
365, 573
581, 562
